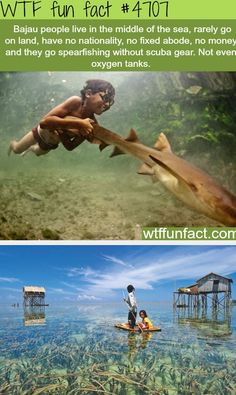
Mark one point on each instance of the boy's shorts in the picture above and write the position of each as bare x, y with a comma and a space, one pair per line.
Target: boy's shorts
43, 144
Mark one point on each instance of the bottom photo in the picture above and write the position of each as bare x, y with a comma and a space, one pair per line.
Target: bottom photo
117, 319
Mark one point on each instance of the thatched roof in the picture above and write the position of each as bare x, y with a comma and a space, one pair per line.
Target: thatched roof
191, 289
32, 289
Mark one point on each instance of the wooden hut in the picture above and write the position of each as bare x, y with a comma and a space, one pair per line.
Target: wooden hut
212, 287
34, 296
214, 283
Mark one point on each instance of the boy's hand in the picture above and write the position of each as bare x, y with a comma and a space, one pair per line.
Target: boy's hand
86, 126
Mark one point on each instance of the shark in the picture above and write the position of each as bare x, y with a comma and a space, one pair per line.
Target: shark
188, 183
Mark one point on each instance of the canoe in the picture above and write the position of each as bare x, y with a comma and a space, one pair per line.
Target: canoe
126, 327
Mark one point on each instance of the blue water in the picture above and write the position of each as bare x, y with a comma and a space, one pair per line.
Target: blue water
76, 350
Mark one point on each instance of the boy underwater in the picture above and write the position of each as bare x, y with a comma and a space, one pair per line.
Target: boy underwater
69, 123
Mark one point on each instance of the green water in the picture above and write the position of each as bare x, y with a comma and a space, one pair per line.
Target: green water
77, 350
84, 194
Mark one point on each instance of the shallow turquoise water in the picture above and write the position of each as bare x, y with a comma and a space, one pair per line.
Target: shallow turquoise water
77, 350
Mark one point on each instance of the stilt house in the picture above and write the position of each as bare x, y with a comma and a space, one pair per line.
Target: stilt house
34, 296
209, 286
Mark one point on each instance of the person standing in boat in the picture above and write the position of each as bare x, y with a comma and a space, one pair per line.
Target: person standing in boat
132, 304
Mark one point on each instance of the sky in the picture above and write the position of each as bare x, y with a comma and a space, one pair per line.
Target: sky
101, 273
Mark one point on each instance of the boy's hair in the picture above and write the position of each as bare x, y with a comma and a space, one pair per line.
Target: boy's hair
130, 288
144, 313
98, 86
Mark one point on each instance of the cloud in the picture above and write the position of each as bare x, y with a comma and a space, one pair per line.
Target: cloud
87, 297
117, 260
146, 267
152, 267
9, 279
73, 286
72, 296
80, 271
60, 291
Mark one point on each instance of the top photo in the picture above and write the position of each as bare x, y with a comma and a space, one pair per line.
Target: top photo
100, 156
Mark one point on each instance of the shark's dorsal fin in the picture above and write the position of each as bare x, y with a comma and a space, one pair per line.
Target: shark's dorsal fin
102, 146
132, 136
116, 151
162, 143
146, 170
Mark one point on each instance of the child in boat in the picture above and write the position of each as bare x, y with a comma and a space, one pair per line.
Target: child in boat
132, 304
146, 322
69, 123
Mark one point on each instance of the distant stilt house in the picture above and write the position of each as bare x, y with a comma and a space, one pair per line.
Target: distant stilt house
34, 296
211, 288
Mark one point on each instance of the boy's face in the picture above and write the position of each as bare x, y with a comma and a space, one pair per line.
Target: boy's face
98, 102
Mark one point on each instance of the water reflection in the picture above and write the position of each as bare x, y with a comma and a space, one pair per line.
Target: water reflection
137, 341
208, 322
34, 315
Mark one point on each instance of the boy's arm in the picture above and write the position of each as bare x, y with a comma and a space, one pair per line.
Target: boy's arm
59, 118
126, 300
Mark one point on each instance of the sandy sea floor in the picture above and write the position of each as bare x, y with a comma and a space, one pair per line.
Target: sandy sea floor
88, 203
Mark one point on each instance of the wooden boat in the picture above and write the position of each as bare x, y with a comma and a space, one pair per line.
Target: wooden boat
126, 327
